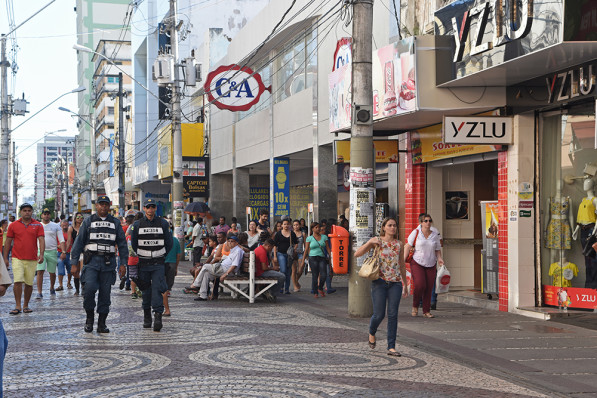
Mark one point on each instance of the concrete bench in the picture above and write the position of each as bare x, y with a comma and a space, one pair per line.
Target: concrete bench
236, 283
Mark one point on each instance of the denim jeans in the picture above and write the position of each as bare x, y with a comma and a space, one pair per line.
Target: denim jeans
285, 268
275, 274
382, 292
152, 297
319, 272
3, 347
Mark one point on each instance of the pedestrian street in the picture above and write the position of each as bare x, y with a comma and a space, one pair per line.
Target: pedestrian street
295, 348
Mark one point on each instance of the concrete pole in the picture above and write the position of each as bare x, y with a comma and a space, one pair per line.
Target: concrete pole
5, 138
177, 187
361, 155
15, 178
121, 163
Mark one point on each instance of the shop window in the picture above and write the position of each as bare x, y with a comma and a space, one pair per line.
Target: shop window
568, 205
296, 66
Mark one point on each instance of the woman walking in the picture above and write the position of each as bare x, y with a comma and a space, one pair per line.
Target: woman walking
428, 253
389, 288
314, 250
284, 240
73, 230
298, 255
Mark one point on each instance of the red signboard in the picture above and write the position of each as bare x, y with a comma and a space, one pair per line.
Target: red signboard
234, 88
570, 297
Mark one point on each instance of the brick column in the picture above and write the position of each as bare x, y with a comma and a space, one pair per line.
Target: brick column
503, 230
414, 192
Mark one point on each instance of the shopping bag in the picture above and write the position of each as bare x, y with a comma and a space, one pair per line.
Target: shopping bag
5, 278
442, 281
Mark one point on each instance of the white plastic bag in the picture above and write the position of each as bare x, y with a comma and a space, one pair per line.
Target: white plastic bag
442, 281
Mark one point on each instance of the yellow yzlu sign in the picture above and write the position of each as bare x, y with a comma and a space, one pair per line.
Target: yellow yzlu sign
427, 145
386, 151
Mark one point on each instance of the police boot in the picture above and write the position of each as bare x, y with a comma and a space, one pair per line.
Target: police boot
157, 322
89, 321
147, 318
101, 323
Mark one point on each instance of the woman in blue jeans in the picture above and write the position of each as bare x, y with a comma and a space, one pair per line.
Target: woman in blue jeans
284, 240
315, 246
387, 290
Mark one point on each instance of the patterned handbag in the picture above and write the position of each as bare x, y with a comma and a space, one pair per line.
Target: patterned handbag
370, 268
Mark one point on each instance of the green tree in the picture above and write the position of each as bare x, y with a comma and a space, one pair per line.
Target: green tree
50, 204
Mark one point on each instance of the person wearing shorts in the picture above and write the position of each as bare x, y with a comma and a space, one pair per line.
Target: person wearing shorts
53, 237
26, 236
64, 265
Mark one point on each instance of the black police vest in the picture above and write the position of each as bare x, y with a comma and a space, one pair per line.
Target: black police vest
151, 242
102, 235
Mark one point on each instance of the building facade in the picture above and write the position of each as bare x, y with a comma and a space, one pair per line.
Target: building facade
55, 155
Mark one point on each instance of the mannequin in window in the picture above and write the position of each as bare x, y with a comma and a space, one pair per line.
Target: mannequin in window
562, 271
585, 224
559, 220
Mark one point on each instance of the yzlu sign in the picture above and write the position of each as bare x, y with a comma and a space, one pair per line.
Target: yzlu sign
234, 88
477, 130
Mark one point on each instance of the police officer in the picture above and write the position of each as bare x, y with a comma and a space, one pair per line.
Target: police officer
97, 240
151, 240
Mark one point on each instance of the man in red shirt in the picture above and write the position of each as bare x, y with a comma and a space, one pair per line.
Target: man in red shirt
26, 236
264, 268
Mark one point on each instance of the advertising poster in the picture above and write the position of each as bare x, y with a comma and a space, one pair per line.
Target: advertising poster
570, 297
490, 223
362, 207
386, 151
300, 197
427, 144
258, 200
394, 89
281, 187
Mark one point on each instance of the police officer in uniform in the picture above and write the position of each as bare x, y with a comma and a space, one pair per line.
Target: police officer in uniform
97, 239
151, 240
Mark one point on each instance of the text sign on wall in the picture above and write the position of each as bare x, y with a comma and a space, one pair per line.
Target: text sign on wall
281, 187
477, 130
196, 187
259, 200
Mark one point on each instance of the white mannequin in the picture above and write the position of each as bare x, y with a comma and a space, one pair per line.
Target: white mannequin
588, 185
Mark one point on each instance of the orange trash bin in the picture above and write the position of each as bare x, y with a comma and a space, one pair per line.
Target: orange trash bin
340, 243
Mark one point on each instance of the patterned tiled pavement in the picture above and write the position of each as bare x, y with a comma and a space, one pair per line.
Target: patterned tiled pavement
299, 347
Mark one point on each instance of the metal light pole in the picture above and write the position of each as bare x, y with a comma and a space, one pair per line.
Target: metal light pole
92, 155
121, 162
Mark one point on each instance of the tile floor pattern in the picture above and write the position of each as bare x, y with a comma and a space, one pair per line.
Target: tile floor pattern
219, 349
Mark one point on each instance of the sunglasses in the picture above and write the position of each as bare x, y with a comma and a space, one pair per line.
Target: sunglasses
427, 221
79, 217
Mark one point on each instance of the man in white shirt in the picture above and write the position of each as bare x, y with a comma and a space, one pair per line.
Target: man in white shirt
53, 237
220, 270
199, 233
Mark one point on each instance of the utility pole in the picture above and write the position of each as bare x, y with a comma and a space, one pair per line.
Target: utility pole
15, 178
67, 182
93, 161
177, 188
362, 175
5, 138
121, 163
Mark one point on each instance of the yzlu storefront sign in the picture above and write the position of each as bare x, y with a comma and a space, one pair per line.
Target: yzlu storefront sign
234, 88
477, 130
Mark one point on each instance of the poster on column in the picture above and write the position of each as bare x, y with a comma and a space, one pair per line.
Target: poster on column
281, 187
362, 202
258, 200
490, 223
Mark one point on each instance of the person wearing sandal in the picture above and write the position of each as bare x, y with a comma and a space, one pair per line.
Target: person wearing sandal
388, 289
314, 251
427, 254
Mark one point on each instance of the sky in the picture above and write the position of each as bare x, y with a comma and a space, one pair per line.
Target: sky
47, 68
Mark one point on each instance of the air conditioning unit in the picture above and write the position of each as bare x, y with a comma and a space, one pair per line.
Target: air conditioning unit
163, 69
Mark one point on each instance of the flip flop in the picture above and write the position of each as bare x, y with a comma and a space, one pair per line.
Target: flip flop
164, 314
27, 310
16, 311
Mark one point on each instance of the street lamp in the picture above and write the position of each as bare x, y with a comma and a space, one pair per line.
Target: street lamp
92, 144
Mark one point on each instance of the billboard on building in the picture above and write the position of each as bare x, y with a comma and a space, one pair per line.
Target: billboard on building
281, 187
258, 200
386, 151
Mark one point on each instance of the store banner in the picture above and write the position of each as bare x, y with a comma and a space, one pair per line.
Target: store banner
258, 200
427, 145
165, 152
193, 139
386, 151
300, 197
478, 130
394, 90
570, 297
281, 188
490, 223
195, 187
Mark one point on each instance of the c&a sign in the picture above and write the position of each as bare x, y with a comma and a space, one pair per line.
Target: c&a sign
234, 88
